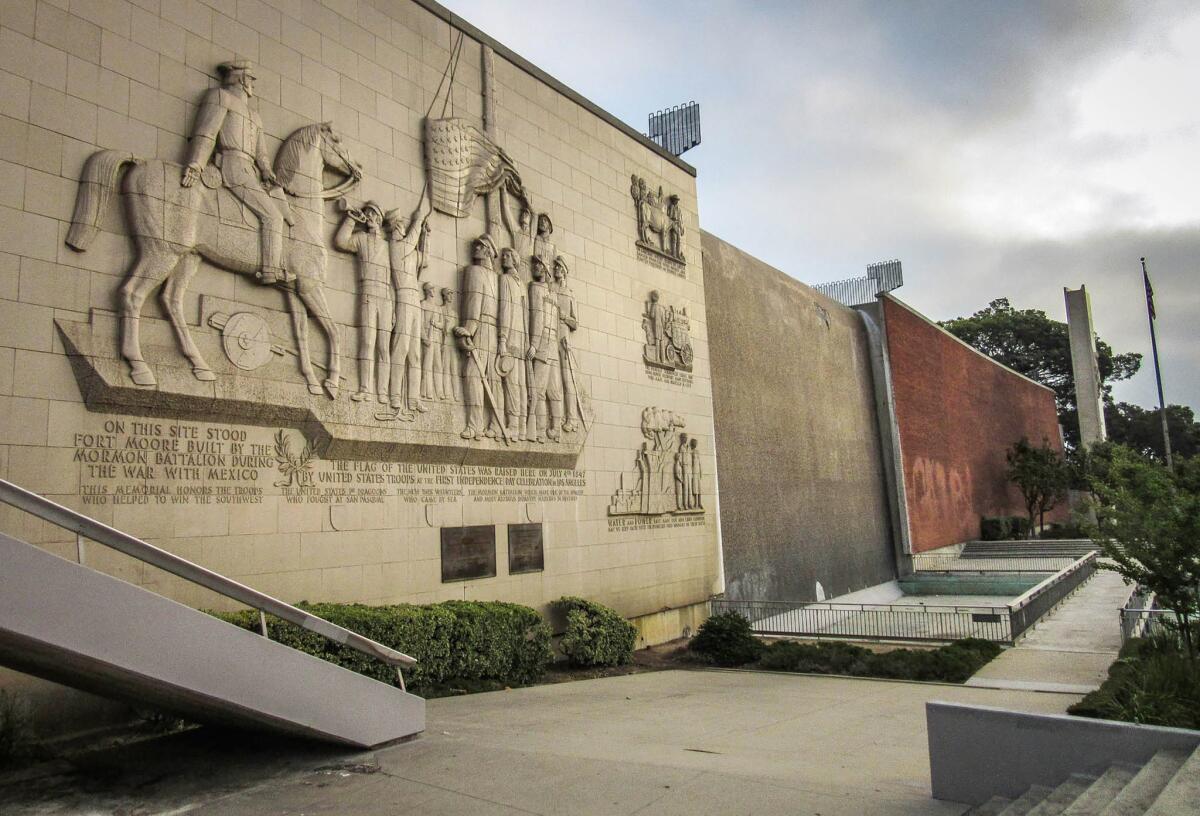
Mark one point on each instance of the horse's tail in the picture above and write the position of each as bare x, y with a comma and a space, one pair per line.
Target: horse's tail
96, 186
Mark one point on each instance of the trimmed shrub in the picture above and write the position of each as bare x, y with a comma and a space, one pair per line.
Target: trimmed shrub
14, 736
831, 657
995, 528
456, 641
1152, 682
726, 640
595, 635
953, 663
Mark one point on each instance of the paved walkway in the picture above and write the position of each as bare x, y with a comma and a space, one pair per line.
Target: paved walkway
672, 742
1070, 649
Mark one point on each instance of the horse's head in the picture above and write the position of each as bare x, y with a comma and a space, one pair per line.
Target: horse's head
306, 154
336, 155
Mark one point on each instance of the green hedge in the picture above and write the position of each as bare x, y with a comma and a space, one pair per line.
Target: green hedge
456, 643
953, 663
596, 635
726, 640
1152, 682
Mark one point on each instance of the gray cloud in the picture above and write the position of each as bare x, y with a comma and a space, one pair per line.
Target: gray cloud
964, 138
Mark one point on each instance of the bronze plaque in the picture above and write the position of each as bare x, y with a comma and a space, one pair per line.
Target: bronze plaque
468, 552
525, 548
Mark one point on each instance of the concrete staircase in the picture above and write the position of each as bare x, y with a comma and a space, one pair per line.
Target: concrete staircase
1071, 549
1167, 785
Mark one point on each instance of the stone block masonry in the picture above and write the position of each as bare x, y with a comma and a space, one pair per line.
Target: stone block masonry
291, 294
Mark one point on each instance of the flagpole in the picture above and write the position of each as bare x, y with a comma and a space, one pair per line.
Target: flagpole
1162, 405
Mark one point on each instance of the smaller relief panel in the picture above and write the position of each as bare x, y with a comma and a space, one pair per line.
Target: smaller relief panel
667, 351
468, 552
525, 548
659, 226
667, 476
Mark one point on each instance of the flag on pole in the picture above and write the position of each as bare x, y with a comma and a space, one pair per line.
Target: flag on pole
1149, 293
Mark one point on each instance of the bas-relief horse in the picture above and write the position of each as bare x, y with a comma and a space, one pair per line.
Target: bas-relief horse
175, 226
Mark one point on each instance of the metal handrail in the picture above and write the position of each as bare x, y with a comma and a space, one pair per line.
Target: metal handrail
1028, 596
101, 533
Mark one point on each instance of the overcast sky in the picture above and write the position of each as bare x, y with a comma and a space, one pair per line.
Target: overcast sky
999, 149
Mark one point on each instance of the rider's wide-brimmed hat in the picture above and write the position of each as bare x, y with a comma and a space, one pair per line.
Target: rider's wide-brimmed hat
227, 68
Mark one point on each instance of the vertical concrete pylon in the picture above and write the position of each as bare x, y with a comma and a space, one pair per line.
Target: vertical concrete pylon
1088, 393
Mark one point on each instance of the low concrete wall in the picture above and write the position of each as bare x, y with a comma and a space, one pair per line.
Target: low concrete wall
977, 752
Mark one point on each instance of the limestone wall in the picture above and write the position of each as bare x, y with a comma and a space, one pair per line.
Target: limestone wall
802, 485
958, 412
238, 460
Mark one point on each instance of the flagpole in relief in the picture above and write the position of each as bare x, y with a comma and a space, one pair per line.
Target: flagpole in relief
1162, 405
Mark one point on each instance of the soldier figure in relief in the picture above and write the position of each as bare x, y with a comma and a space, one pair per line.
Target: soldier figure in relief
451, 379
226, 125
513, 340
477, 335
568, 323
543, 247
406, 248
682, 473
520, 232
695, 477
432, 337
375, 310
546, 385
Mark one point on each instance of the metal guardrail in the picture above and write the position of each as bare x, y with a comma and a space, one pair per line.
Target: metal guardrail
911, 622
1009, 564
871, 621
101, 533
1028, 608
881, 277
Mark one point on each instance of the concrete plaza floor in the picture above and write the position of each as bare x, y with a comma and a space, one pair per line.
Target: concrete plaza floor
671, 742
1069, 649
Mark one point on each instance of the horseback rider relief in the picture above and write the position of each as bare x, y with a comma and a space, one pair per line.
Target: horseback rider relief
226, 126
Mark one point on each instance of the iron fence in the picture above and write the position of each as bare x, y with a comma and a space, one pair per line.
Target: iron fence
937, 562
872, 621
1030, 607
881, 277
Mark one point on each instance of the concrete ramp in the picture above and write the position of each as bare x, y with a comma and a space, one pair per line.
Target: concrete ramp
67, 623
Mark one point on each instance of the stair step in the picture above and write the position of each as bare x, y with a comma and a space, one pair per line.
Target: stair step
1181, 796
1061, 797
1103, 790
992, 807
1144, 788
1027, 801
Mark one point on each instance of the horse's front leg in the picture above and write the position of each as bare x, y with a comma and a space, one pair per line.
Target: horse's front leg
153, 264
314, 297
299, 315
172, 298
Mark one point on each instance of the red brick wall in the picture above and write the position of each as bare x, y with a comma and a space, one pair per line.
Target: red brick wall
958, 412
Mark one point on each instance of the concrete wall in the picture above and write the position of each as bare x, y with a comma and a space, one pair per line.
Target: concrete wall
801, 468
977, 752
957, 411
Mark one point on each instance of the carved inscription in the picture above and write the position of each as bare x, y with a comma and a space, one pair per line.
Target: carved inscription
659, 262
135, 461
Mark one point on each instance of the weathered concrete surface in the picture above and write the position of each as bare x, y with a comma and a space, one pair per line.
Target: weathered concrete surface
663, 743
801, 475
1071, 648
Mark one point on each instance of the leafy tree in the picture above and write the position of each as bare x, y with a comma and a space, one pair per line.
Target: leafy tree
1028, 341
1042, 477
1141, 429
1149, 526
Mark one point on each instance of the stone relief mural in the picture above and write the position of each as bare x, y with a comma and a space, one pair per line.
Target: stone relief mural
659, 221
496, 354
667, 473
668, 335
